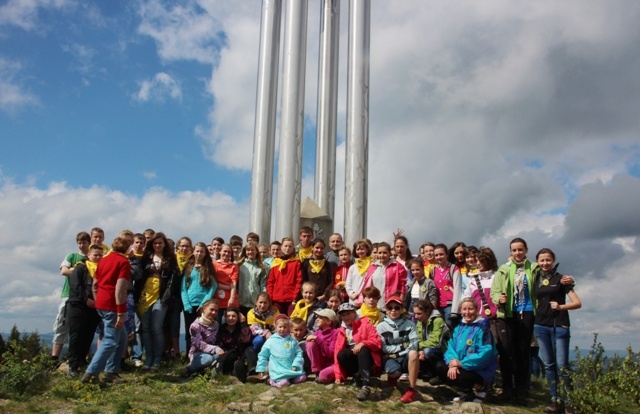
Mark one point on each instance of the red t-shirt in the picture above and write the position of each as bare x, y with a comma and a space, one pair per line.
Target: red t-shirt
111, 268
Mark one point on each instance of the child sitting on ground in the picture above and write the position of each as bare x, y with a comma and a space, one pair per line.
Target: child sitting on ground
369, 306
282, 355
204, 351
300, 332
320, 346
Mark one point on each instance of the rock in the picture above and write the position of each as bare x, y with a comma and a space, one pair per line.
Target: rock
239, 407
296, 401
269, 395
468, 408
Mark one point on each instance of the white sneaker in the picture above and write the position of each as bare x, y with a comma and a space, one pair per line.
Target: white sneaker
462, 397
404, 377
138, 363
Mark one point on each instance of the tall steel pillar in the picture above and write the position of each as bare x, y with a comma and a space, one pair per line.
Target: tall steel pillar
325, 174
357, 149
265, 124
292, 119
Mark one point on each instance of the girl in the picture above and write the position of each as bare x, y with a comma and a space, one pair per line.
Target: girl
252, 277
551, 324
234, 338
320, 346
216, 246
403, 254
261, 320
457, 255
356, 274
479, 287
428, 250
204, 330
357, 351
470, 360
448, 281
318, 270
305, 307
153, 293
433, 335
386, 274
419, 287
198, 285
341, 271
285, 277
184, 252
282, 355
227, 278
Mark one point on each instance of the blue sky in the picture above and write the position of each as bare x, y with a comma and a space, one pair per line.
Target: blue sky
489, 120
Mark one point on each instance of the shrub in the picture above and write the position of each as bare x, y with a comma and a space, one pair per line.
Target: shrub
605, 385
24, 366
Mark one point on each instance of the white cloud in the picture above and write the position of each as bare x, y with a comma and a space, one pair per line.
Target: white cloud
24, 13
157, 89
13, 92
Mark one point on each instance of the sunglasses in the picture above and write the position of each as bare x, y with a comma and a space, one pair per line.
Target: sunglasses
394, 308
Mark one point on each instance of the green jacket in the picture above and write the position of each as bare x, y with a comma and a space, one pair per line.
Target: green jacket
433, 338
503, 284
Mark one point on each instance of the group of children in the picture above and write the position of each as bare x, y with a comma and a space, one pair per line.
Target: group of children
283, 313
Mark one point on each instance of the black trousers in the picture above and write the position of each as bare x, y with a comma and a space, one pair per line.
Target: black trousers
465, 380
353, 364
83, 322
514, 348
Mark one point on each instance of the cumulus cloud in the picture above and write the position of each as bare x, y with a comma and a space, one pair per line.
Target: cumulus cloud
13, 91
24, 13
158, 88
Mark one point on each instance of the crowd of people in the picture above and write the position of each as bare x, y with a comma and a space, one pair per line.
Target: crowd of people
294, 310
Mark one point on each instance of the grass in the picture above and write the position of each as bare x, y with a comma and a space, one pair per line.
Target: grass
165, 392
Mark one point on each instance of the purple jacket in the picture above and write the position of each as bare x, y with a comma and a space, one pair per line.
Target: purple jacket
203, 338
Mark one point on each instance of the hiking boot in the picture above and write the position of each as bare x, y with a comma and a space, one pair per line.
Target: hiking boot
88, 378
73, 373
113, 378
409, 396
364, 393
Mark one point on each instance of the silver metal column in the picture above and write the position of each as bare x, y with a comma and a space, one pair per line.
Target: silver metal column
292, 119
265, 124
325, 179
357, 149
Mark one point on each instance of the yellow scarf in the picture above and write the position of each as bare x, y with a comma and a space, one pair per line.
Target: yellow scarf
182, 260
282, 263
316, 265
91, 267
301, 310
374, 314
363, 264
304, 252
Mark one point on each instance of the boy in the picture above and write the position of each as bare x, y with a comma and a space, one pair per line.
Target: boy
254, 237
274, 252
399, 347
97, 237
60, 326
285, 278
304, 248
138, 245
300, 333
236, 245
369, 308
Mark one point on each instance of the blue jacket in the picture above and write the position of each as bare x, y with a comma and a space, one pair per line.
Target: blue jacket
195, 295
472, 344
281, 354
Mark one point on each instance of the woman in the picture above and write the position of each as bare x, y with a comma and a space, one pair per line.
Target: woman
160, 281
356, 274
551, 325
109, 289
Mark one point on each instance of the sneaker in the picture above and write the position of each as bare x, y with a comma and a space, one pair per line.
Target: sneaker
409, 396
155, 367
364, 393
435, 381
113, 378
480, 396
73, 373
137, 363
258, 378
185, 373
404, 377
462, 397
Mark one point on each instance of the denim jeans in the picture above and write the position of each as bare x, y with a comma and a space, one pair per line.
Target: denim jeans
201, 360
548, 343
114, 342
152, 334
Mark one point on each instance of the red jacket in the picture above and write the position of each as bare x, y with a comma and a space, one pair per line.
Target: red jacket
363, 331
111, 268
284, 286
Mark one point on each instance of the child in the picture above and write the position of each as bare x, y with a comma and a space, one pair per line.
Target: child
137, 249
341, 271
304, 307
333, 302
433, 335
185, 246
300, 332
274, 252
282, 355
285, 278
234, 337
252, 277
388, 275
261, 320
447, 278
304, 248
369, 307
420, 287
320, 346
204, 351
470, 360
399, 347
227, 276
358, 272
357, 350
318, 270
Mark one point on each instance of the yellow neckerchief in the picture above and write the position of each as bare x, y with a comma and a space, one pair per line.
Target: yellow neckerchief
182, 260
304, 253
428, 266
363, 264
282, 263
316, 265
374, 314
301, 310
91, 267
464, 270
